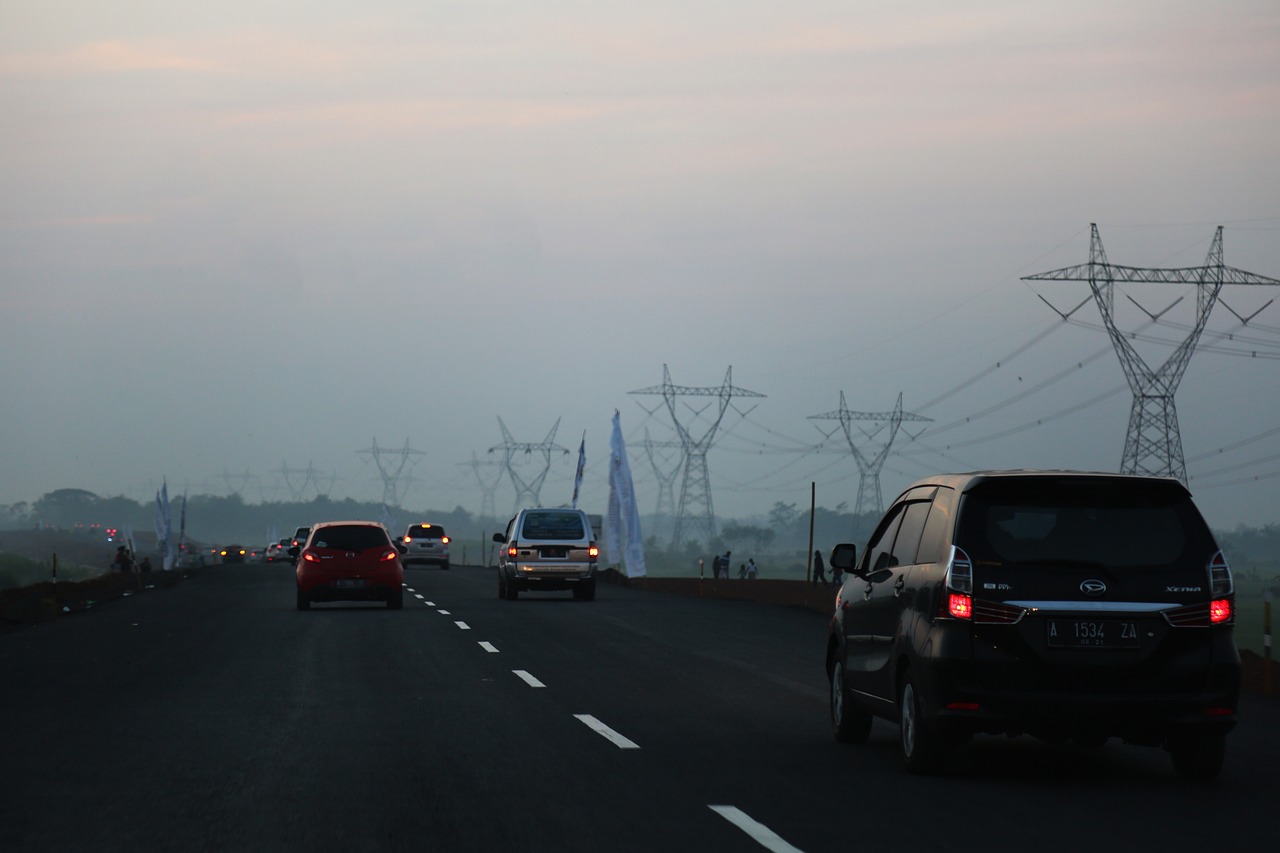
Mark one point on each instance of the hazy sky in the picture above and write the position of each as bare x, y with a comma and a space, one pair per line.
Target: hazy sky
241, 238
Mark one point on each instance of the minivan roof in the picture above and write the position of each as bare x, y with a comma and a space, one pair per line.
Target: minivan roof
963, 482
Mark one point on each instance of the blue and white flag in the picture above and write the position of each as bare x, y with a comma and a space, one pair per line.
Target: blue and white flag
582, 466
622, 522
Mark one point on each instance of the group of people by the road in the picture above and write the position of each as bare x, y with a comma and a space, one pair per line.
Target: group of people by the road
820, 573
722, 566
123, 562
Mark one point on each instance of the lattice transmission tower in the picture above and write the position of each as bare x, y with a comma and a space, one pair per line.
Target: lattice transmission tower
528, 490
391, 465
695, 509
869, 499
665, 470
1153, 444
488, 509
308, 478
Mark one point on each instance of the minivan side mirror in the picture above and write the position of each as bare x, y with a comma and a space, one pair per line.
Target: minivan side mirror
500, 537
844, 556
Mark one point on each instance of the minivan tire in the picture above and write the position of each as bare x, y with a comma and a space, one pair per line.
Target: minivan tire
1197, 756
922, 741
849, 723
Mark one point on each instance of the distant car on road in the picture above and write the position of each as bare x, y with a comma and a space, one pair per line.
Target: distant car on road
1064, 605
547, 549
232, 554
278, 552
349, 561
426, 543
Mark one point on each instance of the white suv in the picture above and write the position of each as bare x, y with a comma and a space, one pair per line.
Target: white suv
547, 549
427, 543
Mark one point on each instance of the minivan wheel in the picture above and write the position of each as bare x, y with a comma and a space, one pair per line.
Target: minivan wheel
1197, 756
849, 723
922, 742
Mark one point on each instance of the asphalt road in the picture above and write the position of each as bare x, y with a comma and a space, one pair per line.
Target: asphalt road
214, 716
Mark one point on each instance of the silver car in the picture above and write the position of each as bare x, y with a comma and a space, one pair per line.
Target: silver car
547, 549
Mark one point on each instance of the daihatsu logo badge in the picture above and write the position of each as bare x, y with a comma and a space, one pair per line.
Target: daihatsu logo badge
1093, 587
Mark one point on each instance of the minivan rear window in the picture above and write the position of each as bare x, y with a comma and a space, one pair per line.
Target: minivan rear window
431, 531
1096, 524
553, 525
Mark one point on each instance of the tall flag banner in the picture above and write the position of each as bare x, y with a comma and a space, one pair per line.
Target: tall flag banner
182, 527
168, 525
622, 521
582, 466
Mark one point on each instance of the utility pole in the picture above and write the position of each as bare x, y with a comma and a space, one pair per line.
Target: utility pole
528, 491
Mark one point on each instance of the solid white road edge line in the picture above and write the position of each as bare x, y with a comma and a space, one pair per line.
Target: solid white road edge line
761, 834
606, 732
528, 679
488, 647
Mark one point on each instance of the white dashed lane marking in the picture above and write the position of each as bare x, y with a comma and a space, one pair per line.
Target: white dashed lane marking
528, 679
463, 625
761, 834
443, 612
488, 647
607, 733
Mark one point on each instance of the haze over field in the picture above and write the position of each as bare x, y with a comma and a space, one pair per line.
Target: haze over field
244, 239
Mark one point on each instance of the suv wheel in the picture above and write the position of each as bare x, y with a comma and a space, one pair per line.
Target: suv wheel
507, 589
922, 742
849, 723
1197, 756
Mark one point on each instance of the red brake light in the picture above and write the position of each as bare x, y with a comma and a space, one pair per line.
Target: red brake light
310, 557
389, 555
406, 540
511, 550
444, 540
960, 606
1220, 611
593, 552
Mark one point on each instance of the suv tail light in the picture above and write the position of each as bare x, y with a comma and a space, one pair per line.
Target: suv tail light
958, 603
593, 551
512, 550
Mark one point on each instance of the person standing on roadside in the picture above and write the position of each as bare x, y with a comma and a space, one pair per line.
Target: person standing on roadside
819, 570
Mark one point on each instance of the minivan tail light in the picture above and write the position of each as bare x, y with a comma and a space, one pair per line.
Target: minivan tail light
960, 605
959, 572
1220, 611
444, 540
1220, 582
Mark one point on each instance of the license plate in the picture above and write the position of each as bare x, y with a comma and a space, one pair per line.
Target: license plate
349, 583
1092, 634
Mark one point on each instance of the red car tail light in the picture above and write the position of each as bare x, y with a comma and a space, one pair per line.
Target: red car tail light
389, 555
310, 557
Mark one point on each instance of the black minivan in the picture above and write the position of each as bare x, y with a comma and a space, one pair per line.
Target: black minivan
1060, 604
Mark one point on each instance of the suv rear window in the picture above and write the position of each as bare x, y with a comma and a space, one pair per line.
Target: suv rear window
1095, 523
553, 525
431, 532
350, 538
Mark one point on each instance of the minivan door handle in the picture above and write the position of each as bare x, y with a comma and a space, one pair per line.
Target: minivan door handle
866, 592
898, 585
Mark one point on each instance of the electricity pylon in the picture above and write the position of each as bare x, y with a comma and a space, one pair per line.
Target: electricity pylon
695, 486
238, 483
666, 507
528, 492
1153, 444
391, 466
309, 478
487, 507
869, 499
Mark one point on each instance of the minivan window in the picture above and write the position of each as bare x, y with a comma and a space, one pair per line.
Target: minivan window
908, 538
431, 532
880, 548
1104, 526
553, 525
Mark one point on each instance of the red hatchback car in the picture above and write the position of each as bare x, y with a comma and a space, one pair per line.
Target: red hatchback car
349, 561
